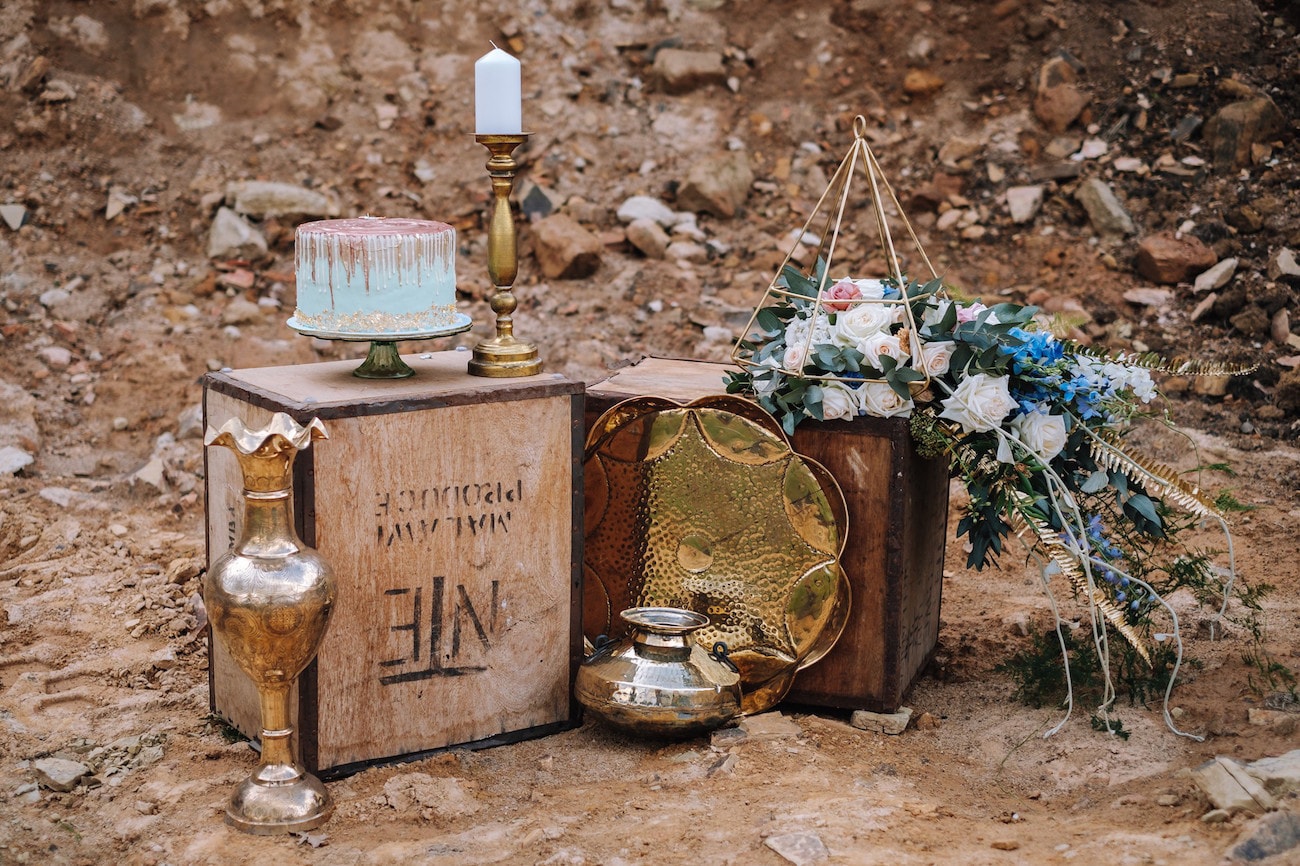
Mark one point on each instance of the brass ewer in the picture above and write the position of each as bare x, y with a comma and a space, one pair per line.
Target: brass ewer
269, 601
503, 356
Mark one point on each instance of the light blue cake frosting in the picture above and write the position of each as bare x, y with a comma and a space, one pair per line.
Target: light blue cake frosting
372, 275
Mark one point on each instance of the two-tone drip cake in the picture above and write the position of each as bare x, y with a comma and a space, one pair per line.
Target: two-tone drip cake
373, 276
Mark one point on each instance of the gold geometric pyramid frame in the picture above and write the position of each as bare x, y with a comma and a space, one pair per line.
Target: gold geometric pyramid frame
859, 159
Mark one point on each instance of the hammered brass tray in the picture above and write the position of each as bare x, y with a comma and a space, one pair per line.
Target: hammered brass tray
706, 507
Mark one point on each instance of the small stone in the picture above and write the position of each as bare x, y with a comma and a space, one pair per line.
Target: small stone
647, 236
1167, 258
118, 530
152, 474
1286, 396
1211, 386
718, 184
921, 82
240, 279
1058, 107
118, 201
882, 723
1005, 845
771, 725
189, 423
1215, 277
1216, 816
687, 251
261, 198
164, 659
231, 237
537, 201
121, 422
1232, 131
1267, 837
564, 249
14, 215
241, 311
681, 71
1149, 297
14, 460
1107, 215
1280, 327
1252, 321
1168, 799
59, 774
799, 848
640, 207
1024, 202
1282, 263
55, 357
60, 496
957, 152
928, 722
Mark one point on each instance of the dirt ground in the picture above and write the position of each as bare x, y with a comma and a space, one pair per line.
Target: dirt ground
121, 123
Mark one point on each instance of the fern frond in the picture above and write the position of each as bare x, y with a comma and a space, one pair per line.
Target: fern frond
1050, 542
1157, 479
1157, 363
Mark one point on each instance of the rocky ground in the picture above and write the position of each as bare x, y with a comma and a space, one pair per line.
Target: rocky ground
1131, 166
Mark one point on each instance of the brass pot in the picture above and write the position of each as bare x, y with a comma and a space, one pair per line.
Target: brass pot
658, 681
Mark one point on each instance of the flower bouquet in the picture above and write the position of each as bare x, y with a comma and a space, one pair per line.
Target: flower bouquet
1032, 425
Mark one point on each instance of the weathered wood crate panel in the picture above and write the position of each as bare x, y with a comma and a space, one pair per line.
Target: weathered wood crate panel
446, 506
898, 509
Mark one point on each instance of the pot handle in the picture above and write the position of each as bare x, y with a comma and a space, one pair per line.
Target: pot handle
719, 654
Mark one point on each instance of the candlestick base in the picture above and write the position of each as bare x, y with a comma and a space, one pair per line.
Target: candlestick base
504, 358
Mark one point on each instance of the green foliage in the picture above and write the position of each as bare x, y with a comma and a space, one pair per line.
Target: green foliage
1225, 502
1109, 725
224, 729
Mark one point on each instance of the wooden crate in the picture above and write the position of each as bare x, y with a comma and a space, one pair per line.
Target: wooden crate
898, 511
446, 505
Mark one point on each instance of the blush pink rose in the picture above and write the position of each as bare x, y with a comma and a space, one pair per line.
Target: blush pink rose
845, 290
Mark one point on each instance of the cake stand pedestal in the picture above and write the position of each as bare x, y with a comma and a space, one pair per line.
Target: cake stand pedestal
382, 361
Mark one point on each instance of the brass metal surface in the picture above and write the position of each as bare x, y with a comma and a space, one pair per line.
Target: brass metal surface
658, 681
706, 508
504, 355
269, 600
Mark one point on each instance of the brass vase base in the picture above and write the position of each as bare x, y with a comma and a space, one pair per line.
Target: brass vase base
504, 358
279, 799
383, 362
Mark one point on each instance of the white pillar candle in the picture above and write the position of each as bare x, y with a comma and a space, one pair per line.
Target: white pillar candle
498, 100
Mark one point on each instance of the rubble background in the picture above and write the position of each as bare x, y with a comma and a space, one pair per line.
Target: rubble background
1130, 167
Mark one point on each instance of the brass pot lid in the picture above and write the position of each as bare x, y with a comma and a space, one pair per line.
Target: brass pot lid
706, 507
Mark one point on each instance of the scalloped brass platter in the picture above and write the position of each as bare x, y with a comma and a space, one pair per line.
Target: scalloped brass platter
706, 507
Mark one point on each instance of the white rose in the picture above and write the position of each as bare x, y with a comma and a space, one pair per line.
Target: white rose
937, 356
838, 402
882, 401
934, 314
871, 288
979, 404
879, 344
856, 324
1043, 434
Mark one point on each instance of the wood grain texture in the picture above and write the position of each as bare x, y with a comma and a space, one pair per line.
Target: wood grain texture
449, 521
893, 558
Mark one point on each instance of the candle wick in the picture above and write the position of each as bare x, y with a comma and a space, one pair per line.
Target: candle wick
493, 44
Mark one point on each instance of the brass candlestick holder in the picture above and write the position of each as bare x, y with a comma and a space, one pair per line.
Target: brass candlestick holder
269, 601
503, 356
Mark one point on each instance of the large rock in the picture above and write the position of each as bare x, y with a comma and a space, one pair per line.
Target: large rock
717, 185
564, 249
59, 774
231, 237
264, 198
1267, 837
1279, 776
1235, 128
1166, 258
681, 71
1107, 215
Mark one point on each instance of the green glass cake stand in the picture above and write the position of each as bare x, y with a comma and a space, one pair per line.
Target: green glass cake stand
382, 361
